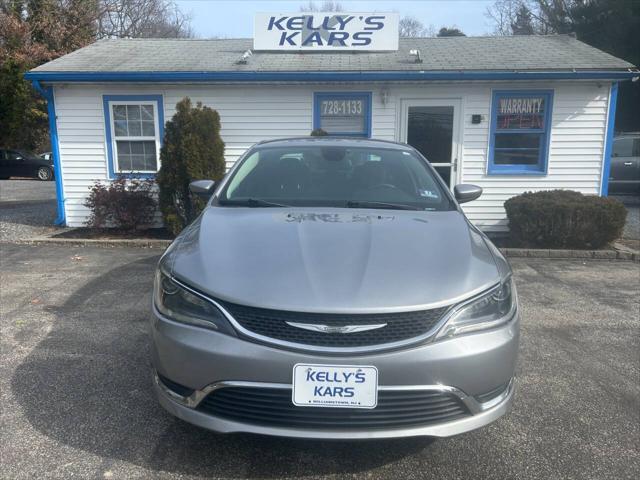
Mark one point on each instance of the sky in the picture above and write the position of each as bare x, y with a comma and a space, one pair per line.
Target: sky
234, 19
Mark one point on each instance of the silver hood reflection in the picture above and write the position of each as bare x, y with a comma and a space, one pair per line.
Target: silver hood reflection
334, 260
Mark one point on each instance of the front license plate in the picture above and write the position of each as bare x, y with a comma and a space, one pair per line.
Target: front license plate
338, 386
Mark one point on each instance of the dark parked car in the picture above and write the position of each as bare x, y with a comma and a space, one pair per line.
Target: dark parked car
18, 163
625, 165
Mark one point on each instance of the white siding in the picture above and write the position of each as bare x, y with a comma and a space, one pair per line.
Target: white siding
575, 151
250, 113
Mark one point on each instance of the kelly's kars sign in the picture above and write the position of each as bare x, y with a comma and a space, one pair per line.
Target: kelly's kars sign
326, 31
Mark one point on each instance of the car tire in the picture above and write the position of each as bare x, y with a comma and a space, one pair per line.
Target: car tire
45, 174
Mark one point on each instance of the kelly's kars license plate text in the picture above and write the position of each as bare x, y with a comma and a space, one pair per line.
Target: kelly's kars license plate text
338, 386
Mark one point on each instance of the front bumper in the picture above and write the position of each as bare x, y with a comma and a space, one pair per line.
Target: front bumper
467, 366
484, 415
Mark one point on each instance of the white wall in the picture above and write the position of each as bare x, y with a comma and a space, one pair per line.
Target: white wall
250, 113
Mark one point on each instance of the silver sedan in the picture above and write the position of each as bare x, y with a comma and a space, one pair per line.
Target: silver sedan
333, 288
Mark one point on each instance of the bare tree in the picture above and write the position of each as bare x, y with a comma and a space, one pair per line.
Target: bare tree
503, 14
142, 19
411, 27
327, 6
536, 16
522, 25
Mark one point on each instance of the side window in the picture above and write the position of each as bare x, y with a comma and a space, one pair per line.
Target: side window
519, 136
134, 127
623, 147
135, 138
636, 147
13, 155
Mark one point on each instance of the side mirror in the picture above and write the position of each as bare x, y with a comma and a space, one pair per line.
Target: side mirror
465, 192
202, 188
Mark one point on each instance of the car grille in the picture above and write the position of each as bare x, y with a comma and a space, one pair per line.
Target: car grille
273, 407
272, 324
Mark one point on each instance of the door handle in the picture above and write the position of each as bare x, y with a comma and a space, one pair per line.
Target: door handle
628, 164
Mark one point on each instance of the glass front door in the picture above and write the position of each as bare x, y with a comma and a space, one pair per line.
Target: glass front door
431, 127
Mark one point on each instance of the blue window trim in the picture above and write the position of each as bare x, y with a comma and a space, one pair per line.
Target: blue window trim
107, 127
366, 96
608, 146
543, 160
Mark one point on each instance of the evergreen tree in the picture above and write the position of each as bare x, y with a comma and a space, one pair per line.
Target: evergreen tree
192, 150
450, 32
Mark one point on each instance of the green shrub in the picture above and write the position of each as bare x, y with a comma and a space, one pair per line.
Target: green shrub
318, 132
122, 203
564, 219
192, 150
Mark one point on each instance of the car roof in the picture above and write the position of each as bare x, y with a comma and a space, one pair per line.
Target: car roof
334, 142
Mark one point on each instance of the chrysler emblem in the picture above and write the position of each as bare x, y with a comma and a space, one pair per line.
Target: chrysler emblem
336, 328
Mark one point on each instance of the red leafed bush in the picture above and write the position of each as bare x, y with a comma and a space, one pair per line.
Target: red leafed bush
123, 203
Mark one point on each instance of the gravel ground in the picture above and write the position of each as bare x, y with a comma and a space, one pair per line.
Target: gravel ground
631, 234
632, 228
19, 190
77, 400
27, 209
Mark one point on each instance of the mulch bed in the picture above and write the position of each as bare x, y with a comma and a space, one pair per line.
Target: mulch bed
114, 234
503, 241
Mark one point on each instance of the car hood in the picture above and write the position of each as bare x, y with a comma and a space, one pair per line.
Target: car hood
333, 260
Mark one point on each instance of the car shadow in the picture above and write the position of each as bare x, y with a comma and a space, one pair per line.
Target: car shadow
87, 385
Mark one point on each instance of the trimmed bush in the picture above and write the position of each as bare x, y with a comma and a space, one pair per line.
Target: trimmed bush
564, 219
192, 150
122, 203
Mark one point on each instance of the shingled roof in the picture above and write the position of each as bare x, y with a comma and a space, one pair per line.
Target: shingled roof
508, 53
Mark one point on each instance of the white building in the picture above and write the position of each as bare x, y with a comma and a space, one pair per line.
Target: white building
510, 114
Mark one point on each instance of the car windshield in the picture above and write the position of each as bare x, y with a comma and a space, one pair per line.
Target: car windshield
335, 176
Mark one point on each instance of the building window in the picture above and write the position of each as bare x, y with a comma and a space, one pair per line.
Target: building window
134, 130
343, 114
519, 137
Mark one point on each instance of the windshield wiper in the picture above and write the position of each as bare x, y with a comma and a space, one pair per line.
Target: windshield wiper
252, 202
391, 206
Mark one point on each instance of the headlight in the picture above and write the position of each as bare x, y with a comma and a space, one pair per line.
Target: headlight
179, 304
488, 311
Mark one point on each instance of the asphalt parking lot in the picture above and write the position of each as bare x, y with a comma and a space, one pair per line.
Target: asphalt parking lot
77, 399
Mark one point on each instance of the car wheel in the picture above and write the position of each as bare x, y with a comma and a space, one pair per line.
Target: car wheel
44, 174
